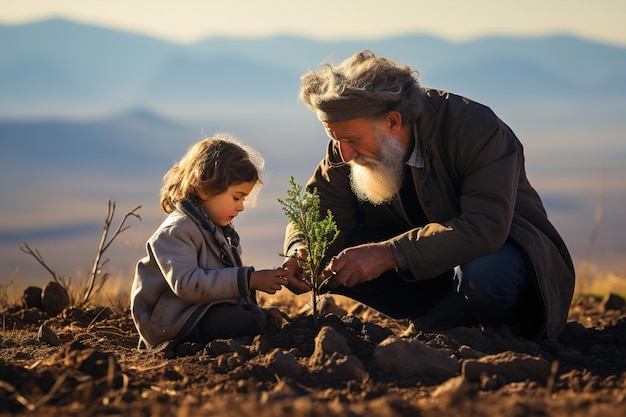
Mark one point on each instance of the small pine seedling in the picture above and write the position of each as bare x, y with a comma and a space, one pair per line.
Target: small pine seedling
302, 208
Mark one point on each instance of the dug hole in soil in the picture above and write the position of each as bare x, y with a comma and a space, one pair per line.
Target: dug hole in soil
353, 362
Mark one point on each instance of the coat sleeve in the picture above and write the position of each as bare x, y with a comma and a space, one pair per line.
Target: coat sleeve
193, 271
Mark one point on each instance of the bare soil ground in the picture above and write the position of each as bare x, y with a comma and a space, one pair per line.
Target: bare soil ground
84, 362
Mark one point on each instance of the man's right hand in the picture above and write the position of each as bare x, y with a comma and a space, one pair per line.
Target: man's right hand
295, 283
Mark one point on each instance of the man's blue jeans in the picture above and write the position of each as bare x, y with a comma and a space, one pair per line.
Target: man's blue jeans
494, 284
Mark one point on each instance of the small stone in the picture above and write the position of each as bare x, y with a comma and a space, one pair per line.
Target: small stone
54, 298
220, 346
328, 342
511, 366
453, 391
466, 352
32, 298
283, 363
260, 345
410, 358
376, 333
46, 335
345, 367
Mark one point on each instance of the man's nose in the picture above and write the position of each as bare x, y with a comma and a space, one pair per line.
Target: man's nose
347, 152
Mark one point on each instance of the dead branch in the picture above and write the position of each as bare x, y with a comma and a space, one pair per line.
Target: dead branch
105, 242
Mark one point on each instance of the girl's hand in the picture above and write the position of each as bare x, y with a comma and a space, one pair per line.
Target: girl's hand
268, 280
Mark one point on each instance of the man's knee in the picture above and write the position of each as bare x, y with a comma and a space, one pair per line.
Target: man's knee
493, 283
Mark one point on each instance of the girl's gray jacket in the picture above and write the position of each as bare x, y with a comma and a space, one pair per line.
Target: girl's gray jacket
190, 266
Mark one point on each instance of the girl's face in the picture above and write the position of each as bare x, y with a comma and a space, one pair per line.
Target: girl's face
223, 208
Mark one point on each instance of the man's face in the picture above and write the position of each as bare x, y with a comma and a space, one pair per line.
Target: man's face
356, 138
375, 156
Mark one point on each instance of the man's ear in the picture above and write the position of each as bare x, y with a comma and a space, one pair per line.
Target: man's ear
394, 119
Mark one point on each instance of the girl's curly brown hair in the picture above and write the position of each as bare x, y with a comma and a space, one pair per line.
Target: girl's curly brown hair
210, 166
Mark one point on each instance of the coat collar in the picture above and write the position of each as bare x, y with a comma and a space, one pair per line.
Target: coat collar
193, 209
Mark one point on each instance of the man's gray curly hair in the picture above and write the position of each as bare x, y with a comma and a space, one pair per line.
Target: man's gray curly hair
362, 86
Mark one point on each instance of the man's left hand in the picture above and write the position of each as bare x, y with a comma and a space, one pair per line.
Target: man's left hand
358, 264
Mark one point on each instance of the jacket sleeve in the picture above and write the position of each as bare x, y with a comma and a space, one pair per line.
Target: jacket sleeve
194, 271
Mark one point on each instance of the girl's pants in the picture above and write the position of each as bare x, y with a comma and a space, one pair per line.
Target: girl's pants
227, 320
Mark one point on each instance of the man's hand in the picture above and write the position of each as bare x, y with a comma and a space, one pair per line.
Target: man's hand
358, 264
295, 283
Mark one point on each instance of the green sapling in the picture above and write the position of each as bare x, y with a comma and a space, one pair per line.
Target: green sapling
302, 208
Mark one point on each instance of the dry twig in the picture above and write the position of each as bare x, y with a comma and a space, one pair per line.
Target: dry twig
94, 282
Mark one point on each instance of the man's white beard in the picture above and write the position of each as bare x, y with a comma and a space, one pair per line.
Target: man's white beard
378, 181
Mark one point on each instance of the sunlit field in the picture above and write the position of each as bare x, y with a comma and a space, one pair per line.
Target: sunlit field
115, 292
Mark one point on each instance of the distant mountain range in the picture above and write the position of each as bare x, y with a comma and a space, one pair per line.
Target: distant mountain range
57, 67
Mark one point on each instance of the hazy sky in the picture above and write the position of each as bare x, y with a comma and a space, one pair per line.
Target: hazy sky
190, 20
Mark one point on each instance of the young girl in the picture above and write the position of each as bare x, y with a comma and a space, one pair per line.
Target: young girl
192, 285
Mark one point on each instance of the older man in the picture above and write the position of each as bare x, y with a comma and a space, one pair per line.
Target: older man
438, 221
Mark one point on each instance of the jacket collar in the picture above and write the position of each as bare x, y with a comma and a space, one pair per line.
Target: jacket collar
193, 209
